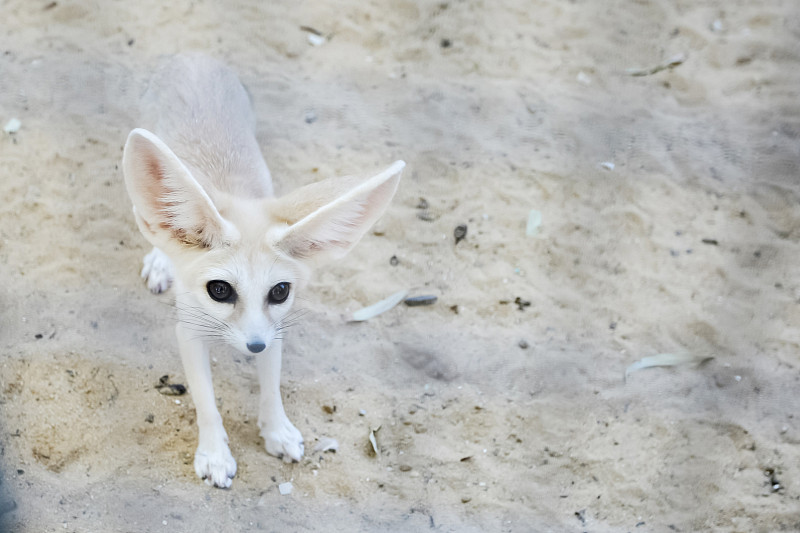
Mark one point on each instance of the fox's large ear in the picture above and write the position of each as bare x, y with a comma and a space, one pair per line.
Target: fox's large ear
326, 219
170, 206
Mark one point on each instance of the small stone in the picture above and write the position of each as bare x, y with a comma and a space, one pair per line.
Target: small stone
460, 232
523, 344
466, 499
170, 389
285, 488
394, 261
416, 301
404, 468
150, 418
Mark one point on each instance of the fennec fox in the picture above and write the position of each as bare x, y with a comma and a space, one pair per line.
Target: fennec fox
235, 254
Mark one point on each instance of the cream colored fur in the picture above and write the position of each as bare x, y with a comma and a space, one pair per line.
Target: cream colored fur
203, 197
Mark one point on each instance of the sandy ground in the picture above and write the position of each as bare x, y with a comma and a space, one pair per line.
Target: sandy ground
690, 243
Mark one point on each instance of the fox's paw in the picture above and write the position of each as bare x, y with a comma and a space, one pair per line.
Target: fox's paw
282, 440
217, 467
157, 271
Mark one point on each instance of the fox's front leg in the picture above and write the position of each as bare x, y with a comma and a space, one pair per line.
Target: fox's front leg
281, 438
213, 460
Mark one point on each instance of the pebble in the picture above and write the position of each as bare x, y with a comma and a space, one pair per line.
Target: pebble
170, 389
416, 301
173, 389
523, 344
285, 488
460, 232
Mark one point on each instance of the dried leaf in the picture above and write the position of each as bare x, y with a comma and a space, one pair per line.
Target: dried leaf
534, 221
666, 359
672, 62
373, 441
12, 126
326, 444
379, 307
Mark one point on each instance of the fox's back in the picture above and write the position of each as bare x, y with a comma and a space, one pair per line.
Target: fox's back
200, 109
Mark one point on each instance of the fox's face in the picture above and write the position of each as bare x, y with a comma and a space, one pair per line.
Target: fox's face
239, 260
239, 295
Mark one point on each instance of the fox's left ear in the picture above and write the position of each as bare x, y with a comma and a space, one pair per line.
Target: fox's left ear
326, 219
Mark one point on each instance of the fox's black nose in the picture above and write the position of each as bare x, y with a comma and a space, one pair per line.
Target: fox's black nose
256, 347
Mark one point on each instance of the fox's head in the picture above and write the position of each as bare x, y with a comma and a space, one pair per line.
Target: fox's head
239, 261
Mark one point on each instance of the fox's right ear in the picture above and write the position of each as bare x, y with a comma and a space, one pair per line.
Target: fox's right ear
327, 218
170, 206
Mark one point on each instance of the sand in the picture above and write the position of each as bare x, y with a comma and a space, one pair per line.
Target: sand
670, 224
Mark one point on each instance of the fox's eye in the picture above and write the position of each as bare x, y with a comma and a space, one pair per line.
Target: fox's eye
279, 293
221, 291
